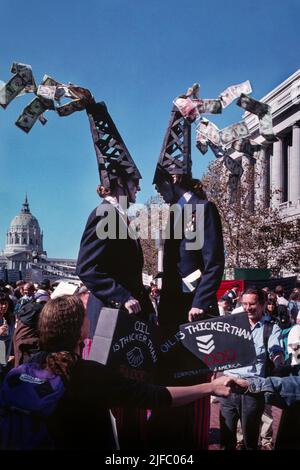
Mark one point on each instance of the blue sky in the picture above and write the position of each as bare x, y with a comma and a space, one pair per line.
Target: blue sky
136, 55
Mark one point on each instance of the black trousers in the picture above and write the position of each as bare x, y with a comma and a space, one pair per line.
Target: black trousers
247, 408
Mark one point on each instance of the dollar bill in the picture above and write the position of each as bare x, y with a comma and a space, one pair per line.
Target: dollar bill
209, 106
217, 150
49, 81
46, 91
11, 89
266, 127
233, 165
209, 131
70, 108
233, 92
246, 147
80, 92
25, 72
252, 105
233, 132
188, 108
202, 147
201, 142
20, 83
31, 113
42, 119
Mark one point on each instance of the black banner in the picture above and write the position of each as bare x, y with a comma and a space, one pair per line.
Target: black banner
221, 342
125, 343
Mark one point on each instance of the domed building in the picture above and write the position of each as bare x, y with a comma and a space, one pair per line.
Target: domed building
24, 256
24, 233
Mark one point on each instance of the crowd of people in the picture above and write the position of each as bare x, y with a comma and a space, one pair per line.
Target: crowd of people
44, 334
53, 395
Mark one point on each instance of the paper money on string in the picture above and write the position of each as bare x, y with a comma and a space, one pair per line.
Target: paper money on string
81, 99
209, 106
209, 131
46, 91
31, 113
201, 141
233, 165
22, 77
70, 108
188, 108
217, 150
253, 106
42, 119
266, 127
246, 146
51, 89
233, 92
25, 72
233, 132
203, 148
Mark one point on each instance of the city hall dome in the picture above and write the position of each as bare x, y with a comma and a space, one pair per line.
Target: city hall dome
24, 233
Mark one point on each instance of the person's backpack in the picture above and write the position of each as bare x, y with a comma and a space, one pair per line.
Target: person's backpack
269, 365
29, 395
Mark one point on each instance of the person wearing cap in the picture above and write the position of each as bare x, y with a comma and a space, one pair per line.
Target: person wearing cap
192, 273
110, 259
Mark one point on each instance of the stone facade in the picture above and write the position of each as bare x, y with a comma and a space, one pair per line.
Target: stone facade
277, 168
24, 256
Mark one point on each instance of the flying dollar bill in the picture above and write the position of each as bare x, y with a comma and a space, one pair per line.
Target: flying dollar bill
233, 165
209, 131
22, 78
201, 142
217, 150
188, 108
209, 106
266, 127
70, 108
25, 72
252, 105
203, 148
233, 132
234, 91
47, 91
31, 113
42, 119
11, 89
246, 146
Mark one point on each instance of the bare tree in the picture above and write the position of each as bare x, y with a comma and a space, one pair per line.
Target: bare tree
254, 236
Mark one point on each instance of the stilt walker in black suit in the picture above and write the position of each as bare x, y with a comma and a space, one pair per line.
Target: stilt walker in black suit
192, 272
110, 259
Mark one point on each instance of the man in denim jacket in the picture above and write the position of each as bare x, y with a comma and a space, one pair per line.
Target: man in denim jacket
249, 408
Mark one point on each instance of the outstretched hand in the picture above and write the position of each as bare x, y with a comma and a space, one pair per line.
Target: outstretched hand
224, 385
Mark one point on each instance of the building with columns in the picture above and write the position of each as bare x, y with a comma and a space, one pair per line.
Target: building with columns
277, 167
24, 256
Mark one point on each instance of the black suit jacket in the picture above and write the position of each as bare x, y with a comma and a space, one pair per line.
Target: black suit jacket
111, 268
180, 262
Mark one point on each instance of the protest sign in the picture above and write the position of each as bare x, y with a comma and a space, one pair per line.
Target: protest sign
124, 342
220, 342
